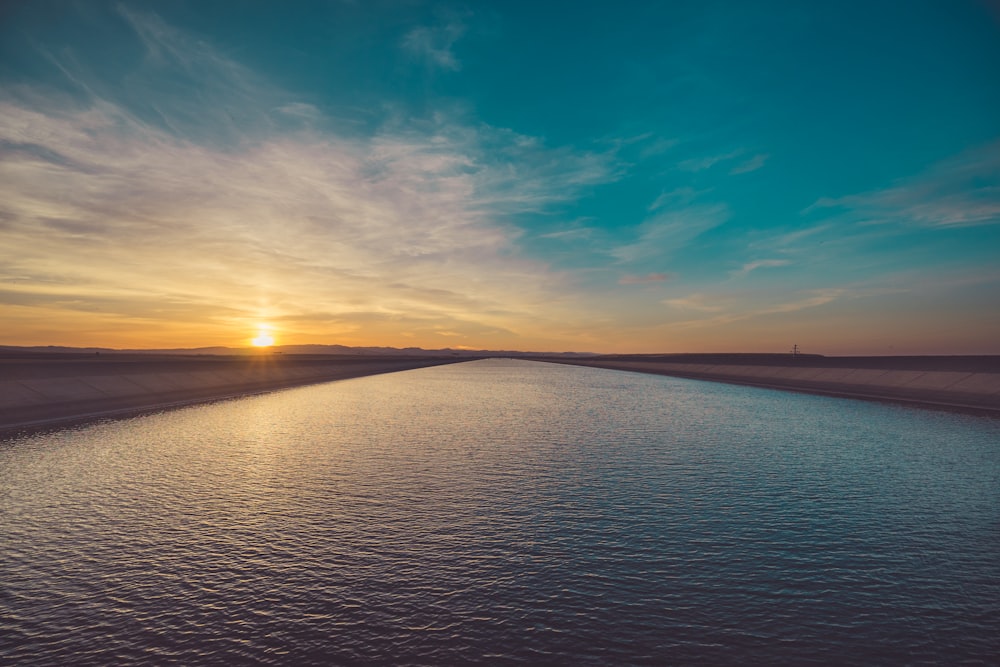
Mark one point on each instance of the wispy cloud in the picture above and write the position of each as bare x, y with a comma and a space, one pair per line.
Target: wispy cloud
676, 197
574, 234
730, 313
301, 111
185, 86
433, 44
666, 233
793, 238
960, 192
753, 164
709, 161
657, 146
646, 279
411, 223
760, 264
696, 301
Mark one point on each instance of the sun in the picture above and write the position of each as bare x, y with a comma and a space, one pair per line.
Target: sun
263, 339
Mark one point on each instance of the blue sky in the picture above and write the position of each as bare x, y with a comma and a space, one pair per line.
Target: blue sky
633, 177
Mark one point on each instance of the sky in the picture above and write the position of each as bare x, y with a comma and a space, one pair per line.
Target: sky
589, 176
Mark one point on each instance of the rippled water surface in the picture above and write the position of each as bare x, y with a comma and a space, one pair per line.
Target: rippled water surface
505, 511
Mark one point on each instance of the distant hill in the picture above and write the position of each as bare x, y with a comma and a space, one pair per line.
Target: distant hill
283, 349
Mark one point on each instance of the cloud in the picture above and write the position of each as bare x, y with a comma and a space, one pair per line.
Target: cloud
668, 232
760, 264
152, 220
864, 232
693, 302
577, 234
675, 197
300, 111
647, 279
433, 44
960, 192
753, 164
703, 163
521, 174
811, 299
658, 146
792, 239
185, 86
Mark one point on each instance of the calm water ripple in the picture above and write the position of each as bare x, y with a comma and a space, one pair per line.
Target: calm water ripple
506, 512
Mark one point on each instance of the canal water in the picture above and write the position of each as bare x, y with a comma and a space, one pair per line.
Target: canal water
505, 512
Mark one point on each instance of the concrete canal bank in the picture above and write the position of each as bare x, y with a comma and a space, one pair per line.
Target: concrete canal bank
52, 389
951, 382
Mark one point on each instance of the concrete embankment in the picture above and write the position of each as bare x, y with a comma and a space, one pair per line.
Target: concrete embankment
968, 383
44, 391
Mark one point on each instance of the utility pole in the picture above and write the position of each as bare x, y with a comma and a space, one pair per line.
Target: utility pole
795, 350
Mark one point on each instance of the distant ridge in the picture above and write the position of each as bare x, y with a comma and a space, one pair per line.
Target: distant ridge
324, 350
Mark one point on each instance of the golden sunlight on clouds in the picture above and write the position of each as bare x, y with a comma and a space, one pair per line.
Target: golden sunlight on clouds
371, 239
360, 241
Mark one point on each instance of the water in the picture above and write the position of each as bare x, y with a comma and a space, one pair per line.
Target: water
506, 512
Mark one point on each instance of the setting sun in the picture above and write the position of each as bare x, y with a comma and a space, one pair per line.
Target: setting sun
263, 339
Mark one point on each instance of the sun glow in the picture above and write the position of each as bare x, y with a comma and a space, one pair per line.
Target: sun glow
263, 339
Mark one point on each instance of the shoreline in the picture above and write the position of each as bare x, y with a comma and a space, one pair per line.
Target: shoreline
57, 392
962, 384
